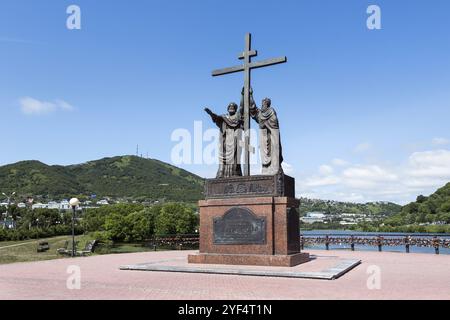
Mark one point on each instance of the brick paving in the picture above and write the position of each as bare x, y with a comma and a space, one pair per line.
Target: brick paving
403, 276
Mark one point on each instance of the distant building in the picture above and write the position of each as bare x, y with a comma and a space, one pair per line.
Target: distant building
39, 206
314, 217
63, 205
103, 202
317, 215
52, 205
7, 224
347, 223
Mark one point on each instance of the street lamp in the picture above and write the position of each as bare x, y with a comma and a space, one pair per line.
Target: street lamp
74, 202
9, 203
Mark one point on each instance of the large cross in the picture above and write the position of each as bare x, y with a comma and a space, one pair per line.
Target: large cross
247, 68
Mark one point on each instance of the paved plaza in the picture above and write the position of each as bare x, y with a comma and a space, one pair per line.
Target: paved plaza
400, 275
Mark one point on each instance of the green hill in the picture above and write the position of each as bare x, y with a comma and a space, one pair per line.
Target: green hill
426, 210
330, 207
125, 177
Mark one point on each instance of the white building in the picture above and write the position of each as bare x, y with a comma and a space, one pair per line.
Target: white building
63, 205
39, 206
316, 215
313, 217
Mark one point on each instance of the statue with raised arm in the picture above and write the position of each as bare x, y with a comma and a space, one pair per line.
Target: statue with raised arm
269, 135
230, 126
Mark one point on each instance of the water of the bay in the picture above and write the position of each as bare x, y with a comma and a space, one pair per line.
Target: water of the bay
413, 249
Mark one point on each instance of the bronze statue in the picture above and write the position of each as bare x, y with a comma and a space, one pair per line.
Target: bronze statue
269, 135
248, 65
230, 126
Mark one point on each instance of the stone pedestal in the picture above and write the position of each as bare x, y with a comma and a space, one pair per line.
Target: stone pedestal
250, 221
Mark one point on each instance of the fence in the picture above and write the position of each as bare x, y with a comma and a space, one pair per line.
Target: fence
174, 242
192, 241
380, 241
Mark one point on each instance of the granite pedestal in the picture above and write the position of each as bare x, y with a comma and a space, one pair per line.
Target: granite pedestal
250, 221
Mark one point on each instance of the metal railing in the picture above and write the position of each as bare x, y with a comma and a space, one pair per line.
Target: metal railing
380, 241
174, 242
192, 241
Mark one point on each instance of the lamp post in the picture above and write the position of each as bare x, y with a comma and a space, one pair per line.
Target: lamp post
74, 202
9, 203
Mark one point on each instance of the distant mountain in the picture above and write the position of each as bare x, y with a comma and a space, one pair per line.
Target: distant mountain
118, 177
432, 209
335, 207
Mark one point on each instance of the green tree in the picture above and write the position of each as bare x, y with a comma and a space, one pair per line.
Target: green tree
115, 226
138, 226
175, 218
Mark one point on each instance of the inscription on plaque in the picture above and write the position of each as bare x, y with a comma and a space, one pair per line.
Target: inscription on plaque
239, 226
255, 186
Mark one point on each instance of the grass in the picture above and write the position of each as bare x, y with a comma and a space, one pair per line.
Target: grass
125, 248
26, 251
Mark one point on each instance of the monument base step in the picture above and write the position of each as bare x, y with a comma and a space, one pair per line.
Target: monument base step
250, 260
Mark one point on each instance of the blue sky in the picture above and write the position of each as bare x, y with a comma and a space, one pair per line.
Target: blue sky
364, 113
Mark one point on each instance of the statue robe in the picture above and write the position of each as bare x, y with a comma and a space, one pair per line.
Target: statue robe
269, 140
229, 148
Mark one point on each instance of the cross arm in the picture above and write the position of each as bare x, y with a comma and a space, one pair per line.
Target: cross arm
268, 62
252, 53
221, 72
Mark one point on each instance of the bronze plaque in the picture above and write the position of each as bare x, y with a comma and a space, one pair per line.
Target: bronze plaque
239, 226
278, 185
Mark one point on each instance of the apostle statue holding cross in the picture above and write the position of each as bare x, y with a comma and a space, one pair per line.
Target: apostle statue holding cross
269, 135
230, 126
270, 145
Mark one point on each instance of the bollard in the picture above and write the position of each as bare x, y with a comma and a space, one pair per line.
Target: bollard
380, 244
407, 244
436, 243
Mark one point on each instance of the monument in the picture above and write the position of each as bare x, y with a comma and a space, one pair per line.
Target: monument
249, 219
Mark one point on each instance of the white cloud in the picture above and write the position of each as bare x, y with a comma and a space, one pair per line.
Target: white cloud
325, 169
351, 197
428, 168
30, 106
287, 168
420, 173
339, 162
64, 105
438, 160
440, 141
322, 181
362, 147
369, 172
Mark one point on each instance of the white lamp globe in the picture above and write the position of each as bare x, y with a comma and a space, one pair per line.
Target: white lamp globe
74, 202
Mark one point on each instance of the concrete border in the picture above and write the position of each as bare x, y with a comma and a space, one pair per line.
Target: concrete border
333, 273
